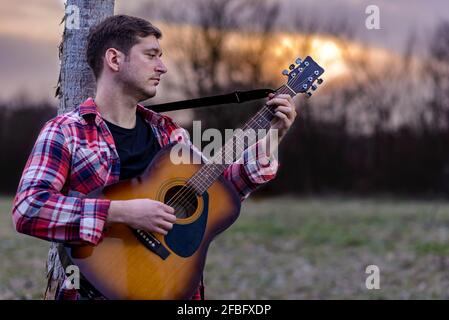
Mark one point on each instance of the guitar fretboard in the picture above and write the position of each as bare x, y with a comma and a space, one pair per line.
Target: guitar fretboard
234, 147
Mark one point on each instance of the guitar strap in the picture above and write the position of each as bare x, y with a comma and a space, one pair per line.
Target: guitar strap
234, 97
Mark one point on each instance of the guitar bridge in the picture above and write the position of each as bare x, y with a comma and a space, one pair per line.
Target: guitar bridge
149, 241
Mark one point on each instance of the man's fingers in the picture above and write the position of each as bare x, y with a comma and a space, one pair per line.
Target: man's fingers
169, 217
281, 115
166, 225
290, 112
167, 208
160, 231
283, 118
286, 97
279, 101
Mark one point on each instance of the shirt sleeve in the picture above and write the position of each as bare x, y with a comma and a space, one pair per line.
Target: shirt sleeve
39, 207
252, 170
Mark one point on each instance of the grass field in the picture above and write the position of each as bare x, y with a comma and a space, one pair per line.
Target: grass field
293, 248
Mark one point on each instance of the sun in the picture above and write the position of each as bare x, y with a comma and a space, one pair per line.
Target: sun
328, 54
324, 50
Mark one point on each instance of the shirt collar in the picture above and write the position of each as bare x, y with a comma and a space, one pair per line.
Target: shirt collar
89, 108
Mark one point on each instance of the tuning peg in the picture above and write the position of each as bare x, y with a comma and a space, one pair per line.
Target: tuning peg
320, 81
292, 66
285, 72
298, 61
308, 94
314, 87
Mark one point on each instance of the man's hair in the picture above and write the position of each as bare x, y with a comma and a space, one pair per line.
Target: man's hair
120, 32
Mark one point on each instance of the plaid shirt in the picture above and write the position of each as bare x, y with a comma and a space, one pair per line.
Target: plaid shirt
75, 154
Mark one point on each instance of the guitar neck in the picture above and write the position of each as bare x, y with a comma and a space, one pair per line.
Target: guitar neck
233, 149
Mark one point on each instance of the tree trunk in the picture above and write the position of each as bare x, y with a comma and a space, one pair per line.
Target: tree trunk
76, 80
76, 83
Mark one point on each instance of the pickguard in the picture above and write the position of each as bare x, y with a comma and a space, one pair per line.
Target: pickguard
185, 239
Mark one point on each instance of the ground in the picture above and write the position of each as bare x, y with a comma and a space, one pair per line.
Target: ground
293, 248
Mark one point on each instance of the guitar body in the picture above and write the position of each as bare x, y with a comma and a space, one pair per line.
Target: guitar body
123, 266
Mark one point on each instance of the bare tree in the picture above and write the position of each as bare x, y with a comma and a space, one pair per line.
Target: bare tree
437, 68
218, 46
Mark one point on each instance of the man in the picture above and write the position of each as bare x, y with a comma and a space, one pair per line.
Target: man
111, 138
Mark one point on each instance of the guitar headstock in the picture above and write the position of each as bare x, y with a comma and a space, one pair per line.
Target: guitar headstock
302, 76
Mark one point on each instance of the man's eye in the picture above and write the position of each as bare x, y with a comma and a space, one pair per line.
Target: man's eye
151, 56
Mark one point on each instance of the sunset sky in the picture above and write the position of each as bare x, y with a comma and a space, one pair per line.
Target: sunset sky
30, 33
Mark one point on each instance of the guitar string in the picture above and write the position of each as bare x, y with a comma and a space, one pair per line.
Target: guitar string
268, 110
180, 196
187, 200
208, 167
193, 179
182, 199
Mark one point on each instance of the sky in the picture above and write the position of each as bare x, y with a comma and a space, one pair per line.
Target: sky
397, 17
30, 33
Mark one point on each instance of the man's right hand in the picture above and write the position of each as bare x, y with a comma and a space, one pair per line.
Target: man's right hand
144, 214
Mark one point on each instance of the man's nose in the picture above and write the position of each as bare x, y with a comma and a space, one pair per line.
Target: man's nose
161, 67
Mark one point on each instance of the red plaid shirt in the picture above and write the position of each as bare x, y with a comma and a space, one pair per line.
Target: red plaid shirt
75, 154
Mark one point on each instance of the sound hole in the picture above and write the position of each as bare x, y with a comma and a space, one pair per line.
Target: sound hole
183, 199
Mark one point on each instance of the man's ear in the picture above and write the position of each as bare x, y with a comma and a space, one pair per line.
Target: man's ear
113, 59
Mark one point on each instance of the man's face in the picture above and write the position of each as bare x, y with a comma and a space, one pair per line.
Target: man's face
142, 69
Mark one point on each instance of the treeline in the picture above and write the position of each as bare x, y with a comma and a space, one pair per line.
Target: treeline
19, 130
323, 159
315, 157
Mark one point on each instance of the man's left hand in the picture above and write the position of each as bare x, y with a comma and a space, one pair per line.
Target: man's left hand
285, 113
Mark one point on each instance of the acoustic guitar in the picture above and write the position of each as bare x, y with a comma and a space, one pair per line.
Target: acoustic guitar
135, 264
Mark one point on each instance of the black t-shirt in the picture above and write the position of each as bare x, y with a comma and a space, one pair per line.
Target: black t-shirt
136, 147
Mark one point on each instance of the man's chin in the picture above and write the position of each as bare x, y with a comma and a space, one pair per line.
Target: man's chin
148, 94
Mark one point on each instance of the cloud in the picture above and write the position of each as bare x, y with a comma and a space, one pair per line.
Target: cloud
30, 32
28, 66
